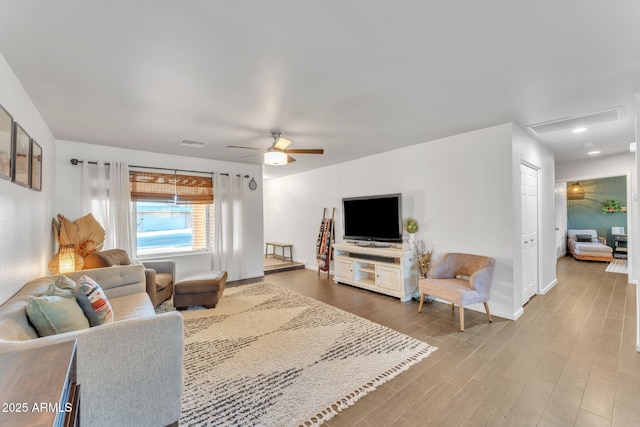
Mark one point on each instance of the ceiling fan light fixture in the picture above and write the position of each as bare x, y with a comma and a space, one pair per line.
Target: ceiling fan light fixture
275, 158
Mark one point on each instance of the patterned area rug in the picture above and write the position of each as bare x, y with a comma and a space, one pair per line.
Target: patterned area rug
268, 356
617, 266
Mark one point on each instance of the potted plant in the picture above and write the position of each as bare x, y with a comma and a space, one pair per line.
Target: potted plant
611, 206
411, 227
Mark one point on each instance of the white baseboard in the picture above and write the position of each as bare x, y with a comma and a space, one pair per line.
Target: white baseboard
519, 312
315, 268
549, 287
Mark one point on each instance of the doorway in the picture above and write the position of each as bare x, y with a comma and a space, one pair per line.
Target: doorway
590, 213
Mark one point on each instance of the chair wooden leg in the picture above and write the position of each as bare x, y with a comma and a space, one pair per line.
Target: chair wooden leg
421, 302
486, 307
461, 318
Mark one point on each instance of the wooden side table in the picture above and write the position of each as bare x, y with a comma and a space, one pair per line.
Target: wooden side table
38, 387
283, 246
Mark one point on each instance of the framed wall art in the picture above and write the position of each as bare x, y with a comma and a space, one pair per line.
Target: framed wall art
21, 174
36, 166
6, 144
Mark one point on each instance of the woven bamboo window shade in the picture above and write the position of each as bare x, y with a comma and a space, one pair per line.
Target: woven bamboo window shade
170, 188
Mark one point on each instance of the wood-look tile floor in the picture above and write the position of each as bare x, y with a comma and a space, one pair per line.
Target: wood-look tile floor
569, 360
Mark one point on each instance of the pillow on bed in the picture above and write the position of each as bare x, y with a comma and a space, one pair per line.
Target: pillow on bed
584, 237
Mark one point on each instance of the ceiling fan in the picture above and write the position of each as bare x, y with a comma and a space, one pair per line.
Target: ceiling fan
278, 154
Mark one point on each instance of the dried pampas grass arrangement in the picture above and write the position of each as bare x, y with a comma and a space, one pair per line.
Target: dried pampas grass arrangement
85, 234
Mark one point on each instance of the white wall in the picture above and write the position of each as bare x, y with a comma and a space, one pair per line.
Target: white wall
596, 167
458, 188
634, 220
26, 237
68, 194
529, 151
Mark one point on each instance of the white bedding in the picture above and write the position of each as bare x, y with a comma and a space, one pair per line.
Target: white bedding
591, 247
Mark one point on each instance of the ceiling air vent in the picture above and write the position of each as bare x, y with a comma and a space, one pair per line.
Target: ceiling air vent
192, 143
570, 123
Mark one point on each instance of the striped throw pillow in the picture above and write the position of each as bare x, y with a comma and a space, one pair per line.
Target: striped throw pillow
93, 301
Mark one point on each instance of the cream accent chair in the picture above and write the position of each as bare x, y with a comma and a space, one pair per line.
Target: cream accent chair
461, 279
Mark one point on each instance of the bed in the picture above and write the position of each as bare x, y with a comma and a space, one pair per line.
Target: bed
585, 245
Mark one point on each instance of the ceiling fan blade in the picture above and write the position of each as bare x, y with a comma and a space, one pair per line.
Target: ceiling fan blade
282, 143
306, 151
252, 155
246, 148
290, 159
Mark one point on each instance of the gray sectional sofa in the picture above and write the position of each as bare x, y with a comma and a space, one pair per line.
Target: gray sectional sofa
130, 371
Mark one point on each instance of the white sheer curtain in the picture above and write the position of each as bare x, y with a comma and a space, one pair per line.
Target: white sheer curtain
106, 194
229, 213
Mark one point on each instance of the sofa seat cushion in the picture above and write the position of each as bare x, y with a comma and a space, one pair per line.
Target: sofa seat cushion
452, 290
163, 280
133, 306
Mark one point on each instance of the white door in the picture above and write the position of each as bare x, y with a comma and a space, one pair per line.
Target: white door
529, 190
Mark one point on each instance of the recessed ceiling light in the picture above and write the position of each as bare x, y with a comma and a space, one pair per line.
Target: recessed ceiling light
579, 130
591, 153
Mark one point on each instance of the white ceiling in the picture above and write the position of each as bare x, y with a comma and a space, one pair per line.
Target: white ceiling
353, 77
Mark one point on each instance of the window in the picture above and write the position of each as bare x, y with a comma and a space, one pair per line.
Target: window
165, 227
173, 212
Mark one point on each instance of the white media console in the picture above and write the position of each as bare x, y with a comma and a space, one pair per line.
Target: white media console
389, 271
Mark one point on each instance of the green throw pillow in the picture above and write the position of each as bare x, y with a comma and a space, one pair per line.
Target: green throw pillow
62, 287
63, 282
51, 314
53, 290
584, 237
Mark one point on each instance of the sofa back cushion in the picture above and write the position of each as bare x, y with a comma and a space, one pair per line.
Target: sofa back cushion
572, 233
14, 323
117, 280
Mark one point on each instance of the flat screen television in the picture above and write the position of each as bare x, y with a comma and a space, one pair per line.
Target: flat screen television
373, 218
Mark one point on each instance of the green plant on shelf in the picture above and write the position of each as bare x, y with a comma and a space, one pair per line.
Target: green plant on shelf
410, 225
611, 206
